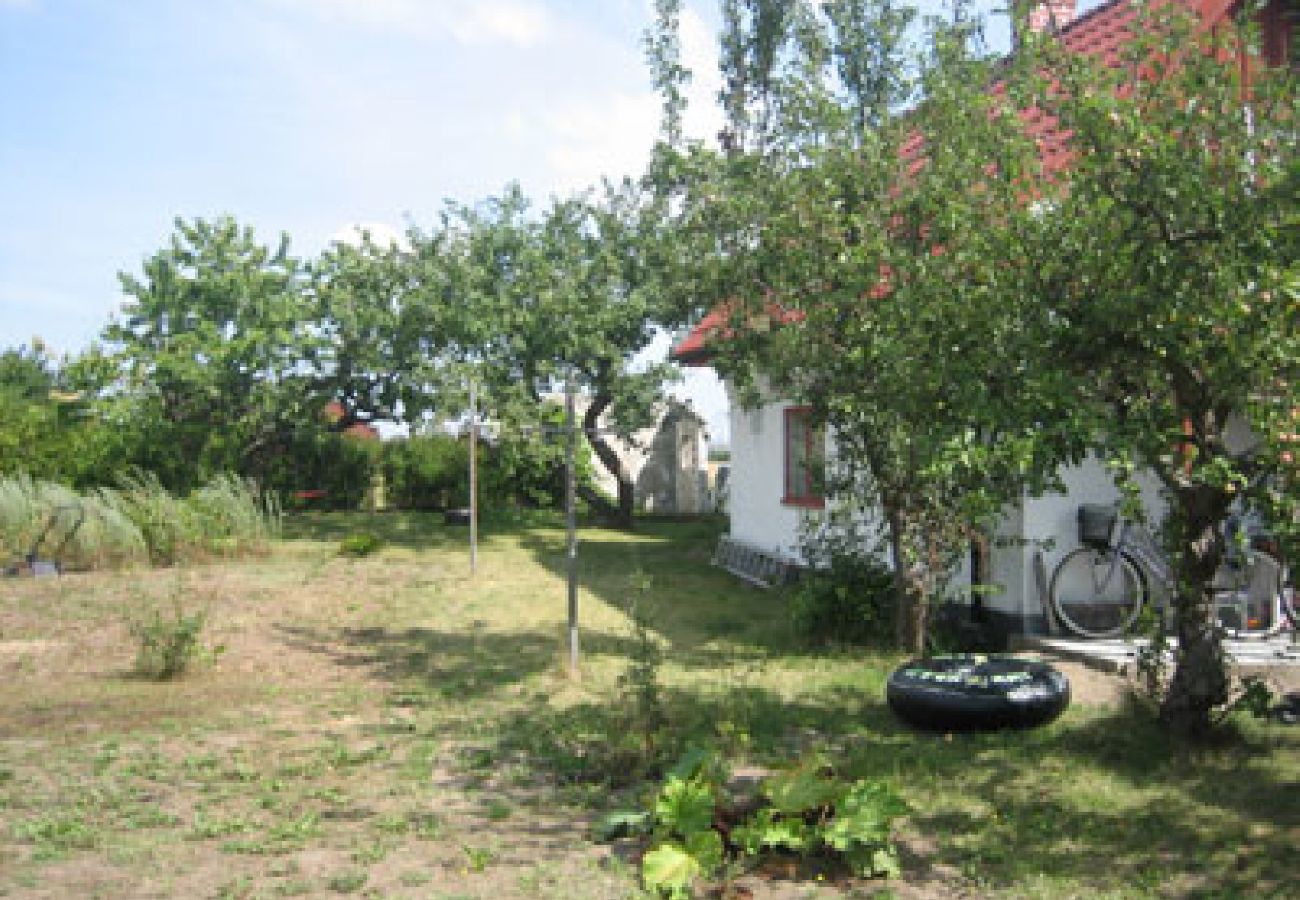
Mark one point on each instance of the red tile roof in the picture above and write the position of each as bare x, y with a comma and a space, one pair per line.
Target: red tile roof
1100, 33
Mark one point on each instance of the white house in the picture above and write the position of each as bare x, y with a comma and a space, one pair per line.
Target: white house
774, 495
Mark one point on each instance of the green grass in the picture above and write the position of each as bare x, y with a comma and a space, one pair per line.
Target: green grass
392, 726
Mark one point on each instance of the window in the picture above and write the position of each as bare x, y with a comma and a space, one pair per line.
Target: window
803, 459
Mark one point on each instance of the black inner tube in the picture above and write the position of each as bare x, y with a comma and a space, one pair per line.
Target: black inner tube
971, 692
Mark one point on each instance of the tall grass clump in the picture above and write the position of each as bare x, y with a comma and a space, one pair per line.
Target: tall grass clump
166, 521
137, 521
82, 532
20, 512
232, 517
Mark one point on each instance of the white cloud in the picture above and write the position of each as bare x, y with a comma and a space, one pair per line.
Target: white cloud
703, 117
520, 23
609, 136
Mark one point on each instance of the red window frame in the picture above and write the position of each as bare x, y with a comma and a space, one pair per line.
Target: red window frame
801, 488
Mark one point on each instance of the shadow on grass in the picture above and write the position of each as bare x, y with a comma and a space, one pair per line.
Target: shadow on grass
1100, 800
458, 665
693, 605
413, 530
1094, 801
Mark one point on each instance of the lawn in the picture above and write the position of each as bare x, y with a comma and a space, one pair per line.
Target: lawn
390, 726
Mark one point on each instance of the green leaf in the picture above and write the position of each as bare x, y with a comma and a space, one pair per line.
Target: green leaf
864, 815
694, 762
684, 807
803, 789
669, 869
768, 829
706, 848
874, 862
621, 824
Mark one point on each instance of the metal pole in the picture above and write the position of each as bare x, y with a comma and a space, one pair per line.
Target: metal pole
570, 521
473, 477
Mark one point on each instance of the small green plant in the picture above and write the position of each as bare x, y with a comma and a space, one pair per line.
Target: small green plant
811, 811
639, 683
168, 637
1254, 697
497, 810
684, 844
806, 812
360, 543
347, 882
477, 859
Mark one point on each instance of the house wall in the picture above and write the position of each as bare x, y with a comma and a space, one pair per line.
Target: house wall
758, 517
1049, 524
1046, 524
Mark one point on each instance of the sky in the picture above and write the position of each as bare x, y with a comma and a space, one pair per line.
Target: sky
308, 117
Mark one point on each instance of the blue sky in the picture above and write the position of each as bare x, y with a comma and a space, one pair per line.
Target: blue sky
302, 116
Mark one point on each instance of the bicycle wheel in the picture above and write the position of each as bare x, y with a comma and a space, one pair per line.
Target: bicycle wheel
1097, 595
1253, 603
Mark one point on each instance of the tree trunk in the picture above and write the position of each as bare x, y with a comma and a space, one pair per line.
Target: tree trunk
620, 516
909, 586
1200, 680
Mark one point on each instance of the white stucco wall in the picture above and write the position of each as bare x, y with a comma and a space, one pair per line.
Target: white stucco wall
758, 517
1047, 523
1050, 523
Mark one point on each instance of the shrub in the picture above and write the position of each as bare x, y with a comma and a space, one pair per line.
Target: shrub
168, 638
361, 543
231, 516
83, 532
427, 472
168, 525
852, 601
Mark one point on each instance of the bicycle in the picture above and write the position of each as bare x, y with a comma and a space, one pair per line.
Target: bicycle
1100, 589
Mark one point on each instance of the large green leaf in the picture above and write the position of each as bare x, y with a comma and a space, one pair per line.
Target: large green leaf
864, 815
706, 848
769, 829
684, 807
874, 862
669, 869
803, 789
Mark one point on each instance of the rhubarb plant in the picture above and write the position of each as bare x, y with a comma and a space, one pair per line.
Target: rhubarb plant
696, 832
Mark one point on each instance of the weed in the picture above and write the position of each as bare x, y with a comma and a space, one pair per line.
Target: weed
239, 889
347, 882
205, 828
639, 683
477, 859
168, 637
415, 878
54, 835
370, 854
427, 826
393, 823
361, 543
497, 810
